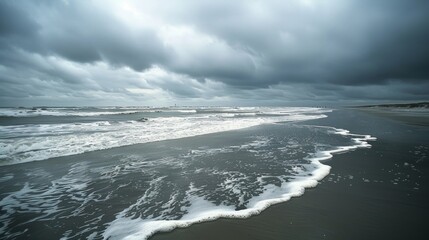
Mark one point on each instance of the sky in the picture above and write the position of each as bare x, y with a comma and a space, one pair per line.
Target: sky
223, 52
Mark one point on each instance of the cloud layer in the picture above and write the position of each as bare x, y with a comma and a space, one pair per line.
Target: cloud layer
213, 53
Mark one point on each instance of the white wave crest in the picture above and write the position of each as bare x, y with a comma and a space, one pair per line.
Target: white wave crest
32, 142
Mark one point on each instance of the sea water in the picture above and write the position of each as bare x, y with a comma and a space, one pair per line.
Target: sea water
127, 173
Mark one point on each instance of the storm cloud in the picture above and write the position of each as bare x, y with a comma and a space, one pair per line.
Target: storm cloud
300, 52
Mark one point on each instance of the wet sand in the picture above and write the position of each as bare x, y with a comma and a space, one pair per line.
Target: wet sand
412, 116
375, 193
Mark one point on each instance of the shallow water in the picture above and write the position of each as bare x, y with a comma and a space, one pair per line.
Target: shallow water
135, 190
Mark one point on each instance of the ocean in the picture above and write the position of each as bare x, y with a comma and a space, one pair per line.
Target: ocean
130, 172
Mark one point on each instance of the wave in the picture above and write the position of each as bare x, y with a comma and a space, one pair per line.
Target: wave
91, 112
58, 112
33, 142
202, 210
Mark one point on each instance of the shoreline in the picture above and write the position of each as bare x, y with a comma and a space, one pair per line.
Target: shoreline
146, 229
360, 198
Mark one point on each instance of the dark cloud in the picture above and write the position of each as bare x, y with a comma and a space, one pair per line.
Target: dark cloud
13, 21
231, 51
343, 42
81, 31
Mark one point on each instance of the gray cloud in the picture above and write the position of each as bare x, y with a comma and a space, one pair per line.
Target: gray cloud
343, 42
221, 52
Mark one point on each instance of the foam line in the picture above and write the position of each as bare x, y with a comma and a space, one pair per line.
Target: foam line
202, 210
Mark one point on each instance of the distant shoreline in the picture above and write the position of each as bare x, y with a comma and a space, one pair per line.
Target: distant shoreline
410, 113
400, 105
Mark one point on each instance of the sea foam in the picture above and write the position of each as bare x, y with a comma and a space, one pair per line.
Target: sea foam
202, 210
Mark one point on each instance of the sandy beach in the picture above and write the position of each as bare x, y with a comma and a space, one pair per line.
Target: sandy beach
379, 190
375, 193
